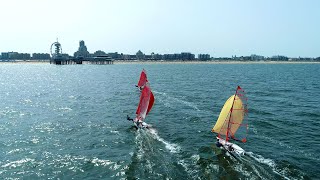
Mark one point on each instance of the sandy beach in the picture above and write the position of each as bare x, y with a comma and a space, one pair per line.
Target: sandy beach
178, 62
24, 62
214, 62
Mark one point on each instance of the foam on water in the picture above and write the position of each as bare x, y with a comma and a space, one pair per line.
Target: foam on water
101, 162
268, 162
65, 109
138, 141
144, 152
152, 157
173, 148
15, 151
17, 163
190, 165
262, 160
256, 168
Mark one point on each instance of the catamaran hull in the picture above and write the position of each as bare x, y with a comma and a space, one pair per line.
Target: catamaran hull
140, 125
231, 148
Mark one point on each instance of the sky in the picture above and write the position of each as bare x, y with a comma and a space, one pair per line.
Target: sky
221, 28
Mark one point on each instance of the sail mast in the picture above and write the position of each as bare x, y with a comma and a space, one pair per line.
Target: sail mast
232, 121
227, 134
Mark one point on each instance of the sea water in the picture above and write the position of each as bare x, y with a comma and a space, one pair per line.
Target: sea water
69, 122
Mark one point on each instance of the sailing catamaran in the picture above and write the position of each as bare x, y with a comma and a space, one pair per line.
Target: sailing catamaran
145, 105
232, 123
143, 80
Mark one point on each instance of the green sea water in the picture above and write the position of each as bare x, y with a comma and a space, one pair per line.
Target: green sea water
69, 122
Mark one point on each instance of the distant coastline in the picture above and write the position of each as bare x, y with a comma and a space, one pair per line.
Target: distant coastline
216, 62
177, 62
25, 62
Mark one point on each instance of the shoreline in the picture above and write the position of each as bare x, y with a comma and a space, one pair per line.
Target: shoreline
216, 62
24, 62
179, 62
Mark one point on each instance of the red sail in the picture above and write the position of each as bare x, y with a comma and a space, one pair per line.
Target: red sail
143, 78
144, 103
151, 101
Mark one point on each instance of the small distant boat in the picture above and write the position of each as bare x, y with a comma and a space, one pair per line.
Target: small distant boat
232, 123
144, 107
143, 80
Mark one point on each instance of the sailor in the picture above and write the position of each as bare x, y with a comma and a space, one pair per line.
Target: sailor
141, 88
230, 148
218, 144
135, 121
139, 121
129, 119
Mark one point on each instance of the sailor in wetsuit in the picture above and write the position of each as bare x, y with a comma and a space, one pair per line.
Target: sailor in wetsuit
230, 148
140, 88
138, 121
218, 144
129, 119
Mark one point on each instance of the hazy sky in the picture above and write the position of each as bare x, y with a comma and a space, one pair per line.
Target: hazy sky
217, 27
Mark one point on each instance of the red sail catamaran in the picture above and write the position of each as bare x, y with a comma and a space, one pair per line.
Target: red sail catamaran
145, 103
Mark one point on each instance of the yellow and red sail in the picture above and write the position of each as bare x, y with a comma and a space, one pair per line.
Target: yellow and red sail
232, 123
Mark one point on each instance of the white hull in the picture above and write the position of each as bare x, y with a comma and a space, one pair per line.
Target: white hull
140, 125
230, 147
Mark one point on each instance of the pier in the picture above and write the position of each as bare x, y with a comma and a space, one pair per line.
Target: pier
95, 60
82, 56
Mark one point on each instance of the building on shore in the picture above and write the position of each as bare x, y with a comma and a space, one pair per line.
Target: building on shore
41, 56
15, 56
115, 55
279, 58
255, 57
99, 53
203, 57
5, 55
156, 56
182, 56
187, 56
140, 55
82, 51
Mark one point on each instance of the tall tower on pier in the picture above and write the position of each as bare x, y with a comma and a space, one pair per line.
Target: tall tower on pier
56, 53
